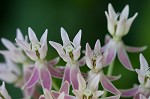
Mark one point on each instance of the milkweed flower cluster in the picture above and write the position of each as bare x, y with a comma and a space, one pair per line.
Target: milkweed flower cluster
37, 71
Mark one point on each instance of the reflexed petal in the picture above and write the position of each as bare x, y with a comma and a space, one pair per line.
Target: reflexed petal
113, 97
32, 35
45, 78
129, 92
107, 38
54, 61
64, 36
135, 49
110, 54
113, 78
129, 23
54, 72
73, 74
24, 45
77, 39
32, 55
76, 53
125, 12
143, 63
107, 85
81, 81
67, 71
65, 88
33, 79
19, 34
8, 44
123, 58
44, 37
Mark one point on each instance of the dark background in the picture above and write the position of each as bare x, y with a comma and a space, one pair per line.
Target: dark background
73, 15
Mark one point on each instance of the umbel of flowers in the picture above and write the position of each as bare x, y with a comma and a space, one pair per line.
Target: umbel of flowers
37, 71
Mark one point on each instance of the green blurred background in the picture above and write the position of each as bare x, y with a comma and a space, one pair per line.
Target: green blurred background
73, 15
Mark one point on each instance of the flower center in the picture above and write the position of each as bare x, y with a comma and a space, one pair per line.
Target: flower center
35, 46
87, 94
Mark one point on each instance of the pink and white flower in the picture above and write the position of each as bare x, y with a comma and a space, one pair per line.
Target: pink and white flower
118, 29
70, 53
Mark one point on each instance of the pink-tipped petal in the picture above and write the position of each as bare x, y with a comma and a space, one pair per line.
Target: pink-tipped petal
113, 78
107, 85
54, 72
77, 39
66, 76
45, 78
123, 58
42, 97
65, 88
33, 79
74, 71
32, 35
54, 61
129, 92
64, 36
135, 49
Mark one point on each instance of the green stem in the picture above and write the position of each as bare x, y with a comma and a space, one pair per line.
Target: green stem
109, 73
54, 85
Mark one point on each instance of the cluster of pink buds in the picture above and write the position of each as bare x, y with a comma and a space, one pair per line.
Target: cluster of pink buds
27, 68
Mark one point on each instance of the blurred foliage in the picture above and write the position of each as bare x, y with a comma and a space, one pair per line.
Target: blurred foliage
73, 15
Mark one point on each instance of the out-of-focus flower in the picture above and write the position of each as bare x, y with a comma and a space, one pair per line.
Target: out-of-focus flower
70, 53
9, 71
62, 94
95, 60
89, 91
14, 50
143, 97
144, 79
3, 92
36, 50
118, 29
